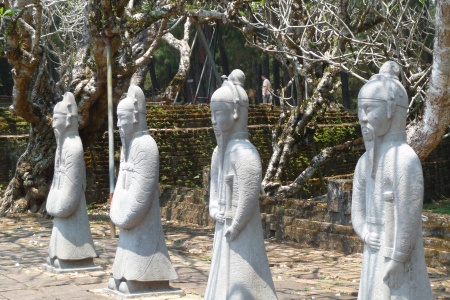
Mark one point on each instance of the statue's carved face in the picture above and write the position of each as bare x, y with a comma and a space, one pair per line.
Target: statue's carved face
373, 117
125, 122
59, 122
222, 116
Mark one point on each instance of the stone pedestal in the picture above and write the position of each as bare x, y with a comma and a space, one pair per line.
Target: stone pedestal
118, 295
339, 200
70, 266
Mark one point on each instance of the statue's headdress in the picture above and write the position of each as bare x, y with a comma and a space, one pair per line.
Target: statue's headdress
67, 106
233, 84
385, 86
134, 102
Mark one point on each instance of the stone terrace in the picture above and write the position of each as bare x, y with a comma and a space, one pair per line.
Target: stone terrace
299, 272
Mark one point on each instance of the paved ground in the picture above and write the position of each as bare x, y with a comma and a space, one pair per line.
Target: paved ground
298, 272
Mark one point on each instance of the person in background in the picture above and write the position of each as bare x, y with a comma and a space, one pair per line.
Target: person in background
266, 87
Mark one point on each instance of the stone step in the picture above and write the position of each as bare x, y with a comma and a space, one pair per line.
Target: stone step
342, 238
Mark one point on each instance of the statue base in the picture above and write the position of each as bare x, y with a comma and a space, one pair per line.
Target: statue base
70, 266
169, 291
139, 289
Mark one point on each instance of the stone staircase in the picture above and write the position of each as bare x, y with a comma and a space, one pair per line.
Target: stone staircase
325, 223
320, 222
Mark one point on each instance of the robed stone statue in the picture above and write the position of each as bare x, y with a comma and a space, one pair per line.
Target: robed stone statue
71, 246
142, 263
239, 265
388, 195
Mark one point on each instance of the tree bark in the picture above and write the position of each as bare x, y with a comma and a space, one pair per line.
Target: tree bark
345, 90
155, 84
223, 53
276, 80
424, 134
35, 92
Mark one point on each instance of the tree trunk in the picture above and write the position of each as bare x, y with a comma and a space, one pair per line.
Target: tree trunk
276, 80
155, 84
265, 66
426, 133
35, 92
223, 53
259, 82
295, 133
345, 90
6, 82
29, 187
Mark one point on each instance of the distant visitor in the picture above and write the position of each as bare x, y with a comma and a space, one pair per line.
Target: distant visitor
239, 266
388, 195
71, 247
266, 89
142, 263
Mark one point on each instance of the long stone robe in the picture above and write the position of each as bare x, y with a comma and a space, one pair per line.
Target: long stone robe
390, 204
71, 235
142, 252
239, 269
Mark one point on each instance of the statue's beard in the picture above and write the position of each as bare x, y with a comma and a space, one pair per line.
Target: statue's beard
370, 142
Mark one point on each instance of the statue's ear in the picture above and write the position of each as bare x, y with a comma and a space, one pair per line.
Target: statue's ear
235, 113
68, 120
391, 105
135, 116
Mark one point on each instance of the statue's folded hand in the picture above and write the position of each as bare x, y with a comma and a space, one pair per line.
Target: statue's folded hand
373, 240
232, 233
394, 274
219, 217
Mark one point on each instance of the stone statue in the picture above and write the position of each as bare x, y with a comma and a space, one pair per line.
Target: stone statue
142, 262
388, 195
71, 247
239, 266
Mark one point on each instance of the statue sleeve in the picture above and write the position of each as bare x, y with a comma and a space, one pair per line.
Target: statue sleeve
247, 167
214, 185
132, 204
65, 198
359, 200
408, 200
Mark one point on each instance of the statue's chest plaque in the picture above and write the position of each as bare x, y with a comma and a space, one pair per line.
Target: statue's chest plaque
127, 170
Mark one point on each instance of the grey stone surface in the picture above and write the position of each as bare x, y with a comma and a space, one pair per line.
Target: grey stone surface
299, 272
71, 246
142, 262
239, 266
388, 195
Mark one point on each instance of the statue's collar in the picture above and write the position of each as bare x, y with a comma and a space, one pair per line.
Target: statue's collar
395, 137
137, 134
242, 135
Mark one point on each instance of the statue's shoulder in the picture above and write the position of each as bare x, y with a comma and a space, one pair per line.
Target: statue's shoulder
242, 148
241, 144
73, 144
404, 154
362, 161
144, 141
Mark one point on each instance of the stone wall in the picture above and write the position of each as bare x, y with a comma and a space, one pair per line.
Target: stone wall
186, 141
13, 142
322, 222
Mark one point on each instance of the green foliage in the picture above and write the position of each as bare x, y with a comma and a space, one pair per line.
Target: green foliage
166, 61
334, 135
8, 12
438, 207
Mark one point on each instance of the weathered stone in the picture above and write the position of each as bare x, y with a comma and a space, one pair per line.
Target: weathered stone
71, 246
142, 263
239, 265
388, 195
